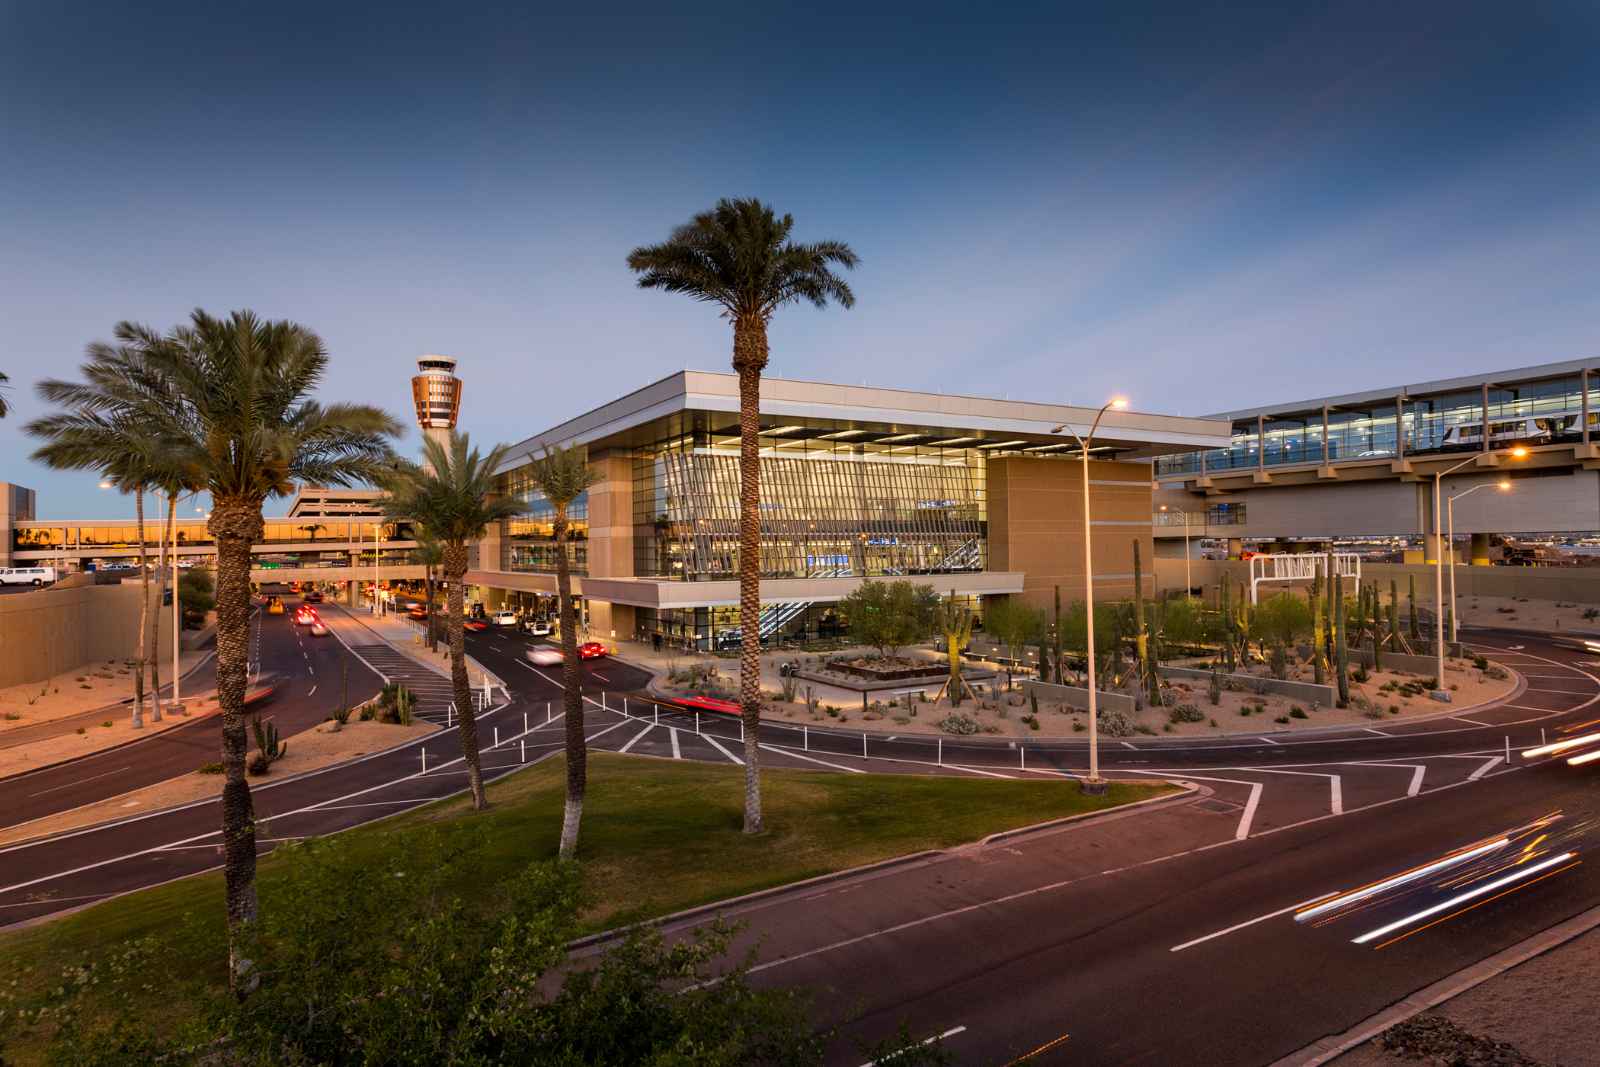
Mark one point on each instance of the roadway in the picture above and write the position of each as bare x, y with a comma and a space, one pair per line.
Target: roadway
1162, 940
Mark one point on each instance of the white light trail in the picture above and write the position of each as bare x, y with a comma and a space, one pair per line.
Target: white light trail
1560, 746
1471, 894
1398, 880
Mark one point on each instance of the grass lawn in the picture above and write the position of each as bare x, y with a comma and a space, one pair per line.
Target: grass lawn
658, 836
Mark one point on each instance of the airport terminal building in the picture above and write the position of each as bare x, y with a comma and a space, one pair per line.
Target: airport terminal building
974, 496
1361, 465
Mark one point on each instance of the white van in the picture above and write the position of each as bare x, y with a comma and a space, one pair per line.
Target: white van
27, 575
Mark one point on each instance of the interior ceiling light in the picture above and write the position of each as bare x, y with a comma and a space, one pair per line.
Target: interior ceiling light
953, 441
1047, 448
783, 429
1004, 444
842, 434
899, 437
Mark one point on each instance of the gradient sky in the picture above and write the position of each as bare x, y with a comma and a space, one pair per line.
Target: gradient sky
1205, 209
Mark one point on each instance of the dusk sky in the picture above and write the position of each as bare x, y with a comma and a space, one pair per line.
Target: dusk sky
1203, 210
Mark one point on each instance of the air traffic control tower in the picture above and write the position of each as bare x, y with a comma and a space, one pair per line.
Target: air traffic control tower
437, 393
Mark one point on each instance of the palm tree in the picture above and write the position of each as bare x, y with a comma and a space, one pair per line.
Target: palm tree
430, 553
3, 381
738, 256
228, 399
562, 475
450, 494
105, 430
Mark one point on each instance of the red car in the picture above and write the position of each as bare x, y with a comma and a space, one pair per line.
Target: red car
477, 626
305, 616
703, 703
591, 650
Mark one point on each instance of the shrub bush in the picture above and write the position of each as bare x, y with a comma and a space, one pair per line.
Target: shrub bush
1297, 713
959, 724
1186, 713
1114, 723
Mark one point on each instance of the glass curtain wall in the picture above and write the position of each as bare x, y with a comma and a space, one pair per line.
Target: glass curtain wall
529, 540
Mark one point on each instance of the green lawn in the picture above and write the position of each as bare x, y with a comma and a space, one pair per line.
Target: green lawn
658, 836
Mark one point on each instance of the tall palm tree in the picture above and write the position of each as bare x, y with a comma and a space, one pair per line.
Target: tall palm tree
3, 408
451, 495
228, 399
738, 256
105, 430
562, 475
430, 553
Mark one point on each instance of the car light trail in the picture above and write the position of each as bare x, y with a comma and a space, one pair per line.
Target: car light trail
1587, 757
1462, 898
1398, 880
1560, 746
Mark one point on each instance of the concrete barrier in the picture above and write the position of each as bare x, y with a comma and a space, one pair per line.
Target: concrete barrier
1310, 692
1427, 666
59, 628
1076, 696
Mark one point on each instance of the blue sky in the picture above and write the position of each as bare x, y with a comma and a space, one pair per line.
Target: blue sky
1202, 209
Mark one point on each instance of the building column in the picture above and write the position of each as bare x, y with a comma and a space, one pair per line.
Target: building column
1480, 550
1485, 447
1261, 442
1324, 435
1400, 426
1583, 384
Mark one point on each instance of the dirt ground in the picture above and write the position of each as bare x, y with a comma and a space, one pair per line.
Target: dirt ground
1522, 614
1007, 714
91, 686
307, 750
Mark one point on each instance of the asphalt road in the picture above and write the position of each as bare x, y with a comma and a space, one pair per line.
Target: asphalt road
1011, 947
313, 686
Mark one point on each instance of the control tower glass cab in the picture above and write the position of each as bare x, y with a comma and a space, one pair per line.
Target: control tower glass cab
437, 392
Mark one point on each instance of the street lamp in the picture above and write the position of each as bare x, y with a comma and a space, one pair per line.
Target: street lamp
1094, 783
1516, 452
1450, 534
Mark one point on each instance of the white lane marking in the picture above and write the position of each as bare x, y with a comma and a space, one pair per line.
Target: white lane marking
1475, 722
1336, 792
1249, 815
974, 770
1548, 712
1269, 741
1417, 771
310, 669
718, 746
311, 692
812, 759
79, 781
952, 1032
1246, 923
1488, 765
677, 753
597, 674
1127, 745
636, 738
1380, 733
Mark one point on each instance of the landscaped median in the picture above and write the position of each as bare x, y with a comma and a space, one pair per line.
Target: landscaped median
658, 837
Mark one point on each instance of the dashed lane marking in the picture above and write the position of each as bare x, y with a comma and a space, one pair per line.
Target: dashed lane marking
719, 747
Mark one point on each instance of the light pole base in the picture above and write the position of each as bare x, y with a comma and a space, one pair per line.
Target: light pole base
1441, 695
1093, 787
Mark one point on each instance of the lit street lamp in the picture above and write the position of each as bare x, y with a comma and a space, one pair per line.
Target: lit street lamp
1094, 783
1516, 452
1450, 528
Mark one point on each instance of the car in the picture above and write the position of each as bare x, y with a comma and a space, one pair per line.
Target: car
262, 688
544, 655
705, 703
274, 606
504, 618
319, 629
477, 626
304, 615
538, 627
27, 575
313, 597
417, 611
591, 650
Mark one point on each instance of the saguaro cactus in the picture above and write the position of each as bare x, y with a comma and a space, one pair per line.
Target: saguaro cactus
1341, 651
1148, 672
1411, 600
1394, 616
1056, 633
1318, 637
955, 622
1225, 609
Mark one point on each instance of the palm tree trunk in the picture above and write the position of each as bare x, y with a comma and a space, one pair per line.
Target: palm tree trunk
749, 357
236, 526
144, 617
161, 592
571, 697
455, 572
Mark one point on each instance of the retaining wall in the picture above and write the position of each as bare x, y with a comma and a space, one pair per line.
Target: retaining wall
50, 631
1074, 696
1310, 692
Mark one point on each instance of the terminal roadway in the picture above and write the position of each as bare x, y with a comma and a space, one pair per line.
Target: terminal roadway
1102, 933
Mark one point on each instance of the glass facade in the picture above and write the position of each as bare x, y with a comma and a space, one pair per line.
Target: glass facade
528, 542
1549, 411
830, 507
193, 533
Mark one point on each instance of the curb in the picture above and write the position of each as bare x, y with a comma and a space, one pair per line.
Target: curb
1319, 1052
1189, 791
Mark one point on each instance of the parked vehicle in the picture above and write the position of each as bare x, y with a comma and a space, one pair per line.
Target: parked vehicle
27, 575
504, 618
538, 627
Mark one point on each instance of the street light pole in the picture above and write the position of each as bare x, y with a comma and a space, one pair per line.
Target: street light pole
1094, 783
1450, 525
1516, 452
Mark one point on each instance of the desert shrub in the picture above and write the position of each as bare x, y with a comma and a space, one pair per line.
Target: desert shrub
1186, 713
209, 768
1282, 720
1360, 673
1297, 713
959, 724
1481, 662
1032, 721
1115, 723
1497, 673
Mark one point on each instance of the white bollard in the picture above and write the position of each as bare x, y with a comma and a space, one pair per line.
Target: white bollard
1023, 752
524, 750
805, 739
625, 712
524, 722
941, 751
603, 701
496, 738
658, 714
697, 723
424, 761
863, 744
548, 713
1541, 735
449, 713
1508, 750
741, 731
